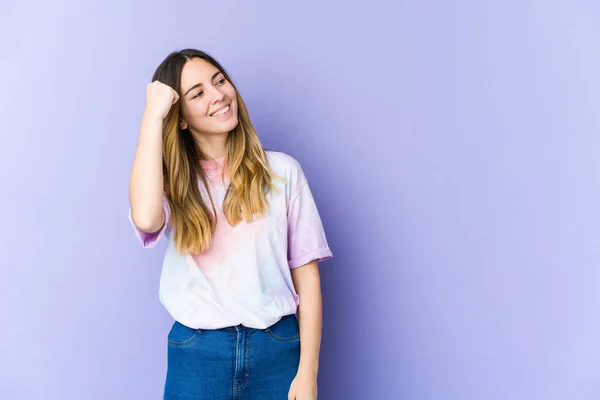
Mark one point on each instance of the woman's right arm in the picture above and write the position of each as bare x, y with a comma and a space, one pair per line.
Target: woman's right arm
146, 180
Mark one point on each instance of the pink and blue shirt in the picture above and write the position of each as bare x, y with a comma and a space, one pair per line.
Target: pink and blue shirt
245, 277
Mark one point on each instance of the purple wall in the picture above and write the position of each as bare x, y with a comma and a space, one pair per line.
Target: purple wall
453, 152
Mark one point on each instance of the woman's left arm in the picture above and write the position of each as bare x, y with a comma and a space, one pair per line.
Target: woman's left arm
307, 282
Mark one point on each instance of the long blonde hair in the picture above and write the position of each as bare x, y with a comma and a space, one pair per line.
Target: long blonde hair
250, 177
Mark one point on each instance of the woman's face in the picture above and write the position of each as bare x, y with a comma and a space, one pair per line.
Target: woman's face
208, 100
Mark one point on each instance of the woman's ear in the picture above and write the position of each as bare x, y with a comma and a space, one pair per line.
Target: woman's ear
182, 124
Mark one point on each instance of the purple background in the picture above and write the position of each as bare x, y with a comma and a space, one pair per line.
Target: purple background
452, 147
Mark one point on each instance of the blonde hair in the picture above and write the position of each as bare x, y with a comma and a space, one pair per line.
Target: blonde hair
246, 165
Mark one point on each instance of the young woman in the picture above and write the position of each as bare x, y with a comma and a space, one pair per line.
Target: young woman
244, 238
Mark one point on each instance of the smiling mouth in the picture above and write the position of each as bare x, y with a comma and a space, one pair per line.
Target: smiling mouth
221, 111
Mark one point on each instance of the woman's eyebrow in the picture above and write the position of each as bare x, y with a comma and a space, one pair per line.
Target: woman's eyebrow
197, 85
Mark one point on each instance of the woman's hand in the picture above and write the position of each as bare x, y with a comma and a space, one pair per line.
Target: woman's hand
159, 99
303, 387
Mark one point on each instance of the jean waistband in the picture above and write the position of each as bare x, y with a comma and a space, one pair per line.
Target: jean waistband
239, 328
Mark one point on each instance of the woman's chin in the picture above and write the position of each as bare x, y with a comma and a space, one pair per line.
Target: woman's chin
230, 124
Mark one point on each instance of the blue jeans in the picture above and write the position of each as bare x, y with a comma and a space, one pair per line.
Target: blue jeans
232, 363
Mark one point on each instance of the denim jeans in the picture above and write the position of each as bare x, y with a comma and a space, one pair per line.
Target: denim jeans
232, 363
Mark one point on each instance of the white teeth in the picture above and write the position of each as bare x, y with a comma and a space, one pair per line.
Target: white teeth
221, 111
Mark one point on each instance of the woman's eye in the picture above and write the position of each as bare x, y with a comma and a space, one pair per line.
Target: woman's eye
198, 94
220, 82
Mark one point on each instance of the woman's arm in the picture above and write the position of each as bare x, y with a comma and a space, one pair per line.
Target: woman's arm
307, 282
146, 180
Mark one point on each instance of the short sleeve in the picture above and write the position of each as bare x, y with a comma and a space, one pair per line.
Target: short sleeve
306, 236
150, 239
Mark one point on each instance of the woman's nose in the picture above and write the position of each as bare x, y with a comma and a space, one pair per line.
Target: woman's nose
217, 96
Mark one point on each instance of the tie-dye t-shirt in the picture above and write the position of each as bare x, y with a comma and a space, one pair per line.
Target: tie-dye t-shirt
245, 277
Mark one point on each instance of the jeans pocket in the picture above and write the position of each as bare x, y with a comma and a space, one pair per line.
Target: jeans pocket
181, 335
285, 330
